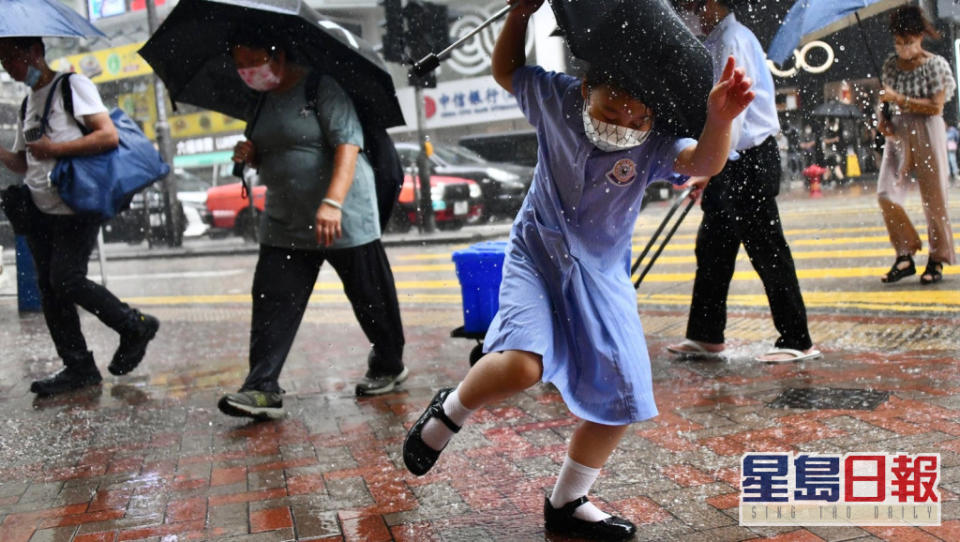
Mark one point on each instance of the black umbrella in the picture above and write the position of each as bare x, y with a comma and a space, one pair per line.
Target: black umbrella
838, 109
657, 59
190, 54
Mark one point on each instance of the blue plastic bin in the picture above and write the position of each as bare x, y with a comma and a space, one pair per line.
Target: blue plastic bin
480, 269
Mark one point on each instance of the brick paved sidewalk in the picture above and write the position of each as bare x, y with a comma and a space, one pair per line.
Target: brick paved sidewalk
148, 456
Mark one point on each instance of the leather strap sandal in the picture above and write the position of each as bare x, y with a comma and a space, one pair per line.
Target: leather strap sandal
934, 271
417, 456
896, 273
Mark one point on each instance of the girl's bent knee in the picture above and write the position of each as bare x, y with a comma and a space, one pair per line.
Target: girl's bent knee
526, 367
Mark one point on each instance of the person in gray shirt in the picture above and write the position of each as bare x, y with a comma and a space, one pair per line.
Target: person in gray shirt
321, 206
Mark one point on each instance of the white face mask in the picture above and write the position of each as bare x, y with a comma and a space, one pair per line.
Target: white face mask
260, 78
611, 137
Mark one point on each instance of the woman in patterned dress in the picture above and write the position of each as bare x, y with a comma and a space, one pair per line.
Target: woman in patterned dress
917, 83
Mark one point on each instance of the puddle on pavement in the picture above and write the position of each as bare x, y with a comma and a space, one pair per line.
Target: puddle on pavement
829, 398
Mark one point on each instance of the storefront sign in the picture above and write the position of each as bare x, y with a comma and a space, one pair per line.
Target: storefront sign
473, 57
956, 67
800, 60
461, 102
108, 8
200, 145
200, 124
106, 64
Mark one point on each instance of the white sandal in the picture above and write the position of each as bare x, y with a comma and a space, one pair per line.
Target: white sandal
795, 355
693, 349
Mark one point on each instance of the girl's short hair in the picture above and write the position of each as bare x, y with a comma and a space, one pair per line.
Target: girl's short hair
595, 75
910, 21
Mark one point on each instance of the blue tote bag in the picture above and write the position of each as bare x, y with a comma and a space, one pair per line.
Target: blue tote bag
103, 184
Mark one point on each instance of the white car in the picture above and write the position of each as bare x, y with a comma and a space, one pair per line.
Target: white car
192, 194
131, 225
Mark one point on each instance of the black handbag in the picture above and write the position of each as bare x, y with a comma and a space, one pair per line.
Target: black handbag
18, 206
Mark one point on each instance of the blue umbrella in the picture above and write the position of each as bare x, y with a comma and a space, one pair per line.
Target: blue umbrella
809, 20
43, 18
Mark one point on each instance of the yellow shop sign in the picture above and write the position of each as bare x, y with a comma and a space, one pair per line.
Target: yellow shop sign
202, 124
106, 64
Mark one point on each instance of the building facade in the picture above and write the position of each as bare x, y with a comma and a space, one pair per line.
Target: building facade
466, 100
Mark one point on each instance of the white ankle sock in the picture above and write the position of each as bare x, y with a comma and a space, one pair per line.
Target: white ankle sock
575, 481
435, 433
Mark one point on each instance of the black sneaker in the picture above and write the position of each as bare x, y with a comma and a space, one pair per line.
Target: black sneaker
381, 384
259, 405
66, 380
133, 344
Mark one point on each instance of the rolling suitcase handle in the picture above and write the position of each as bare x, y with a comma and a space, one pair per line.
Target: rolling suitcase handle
673, 209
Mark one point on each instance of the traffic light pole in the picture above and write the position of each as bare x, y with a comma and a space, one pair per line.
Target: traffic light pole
172, 218
426, 221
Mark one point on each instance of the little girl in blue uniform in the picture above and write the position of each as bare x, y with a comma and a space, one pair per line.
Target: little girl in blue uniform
568, 312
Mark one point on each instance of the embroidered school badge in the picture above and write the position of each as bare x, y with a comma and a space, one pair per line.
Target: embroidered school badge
623, 173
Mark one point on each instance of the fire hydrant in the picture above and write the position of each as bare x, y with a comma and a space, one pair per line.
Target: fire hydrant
814, 175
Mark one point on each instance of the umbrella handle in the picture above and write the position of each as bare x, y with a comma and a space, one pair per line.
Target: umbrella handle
663, 224
430, 62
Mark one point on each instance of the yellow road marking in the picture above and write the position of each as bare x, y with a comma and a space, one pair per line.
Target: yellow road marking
879, 239
788, 233
822, 273
845, 254
819, 273
899, 301
401, 285
419, 268
896, 301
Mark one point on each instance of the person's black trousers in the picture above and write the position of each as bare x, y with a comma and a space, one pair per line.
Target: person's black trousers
282, 284
739, 206
61, 247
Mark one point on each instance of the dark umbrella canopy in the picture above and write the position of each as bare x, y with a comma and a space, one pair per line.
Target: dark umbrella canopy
190, 54
838, 109
656, 58
43, 18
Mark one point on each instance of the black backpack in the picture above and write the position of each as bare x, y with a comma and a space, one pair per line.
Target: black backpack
380, 152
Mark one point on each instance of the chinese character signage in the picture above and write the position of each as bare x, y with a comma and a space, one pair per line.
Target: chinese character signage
106, 8
106, 64
832, 489
461, 102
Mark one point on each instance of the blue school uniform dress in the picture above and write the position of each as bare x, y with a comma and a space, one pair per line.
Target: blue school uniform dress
566, 292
